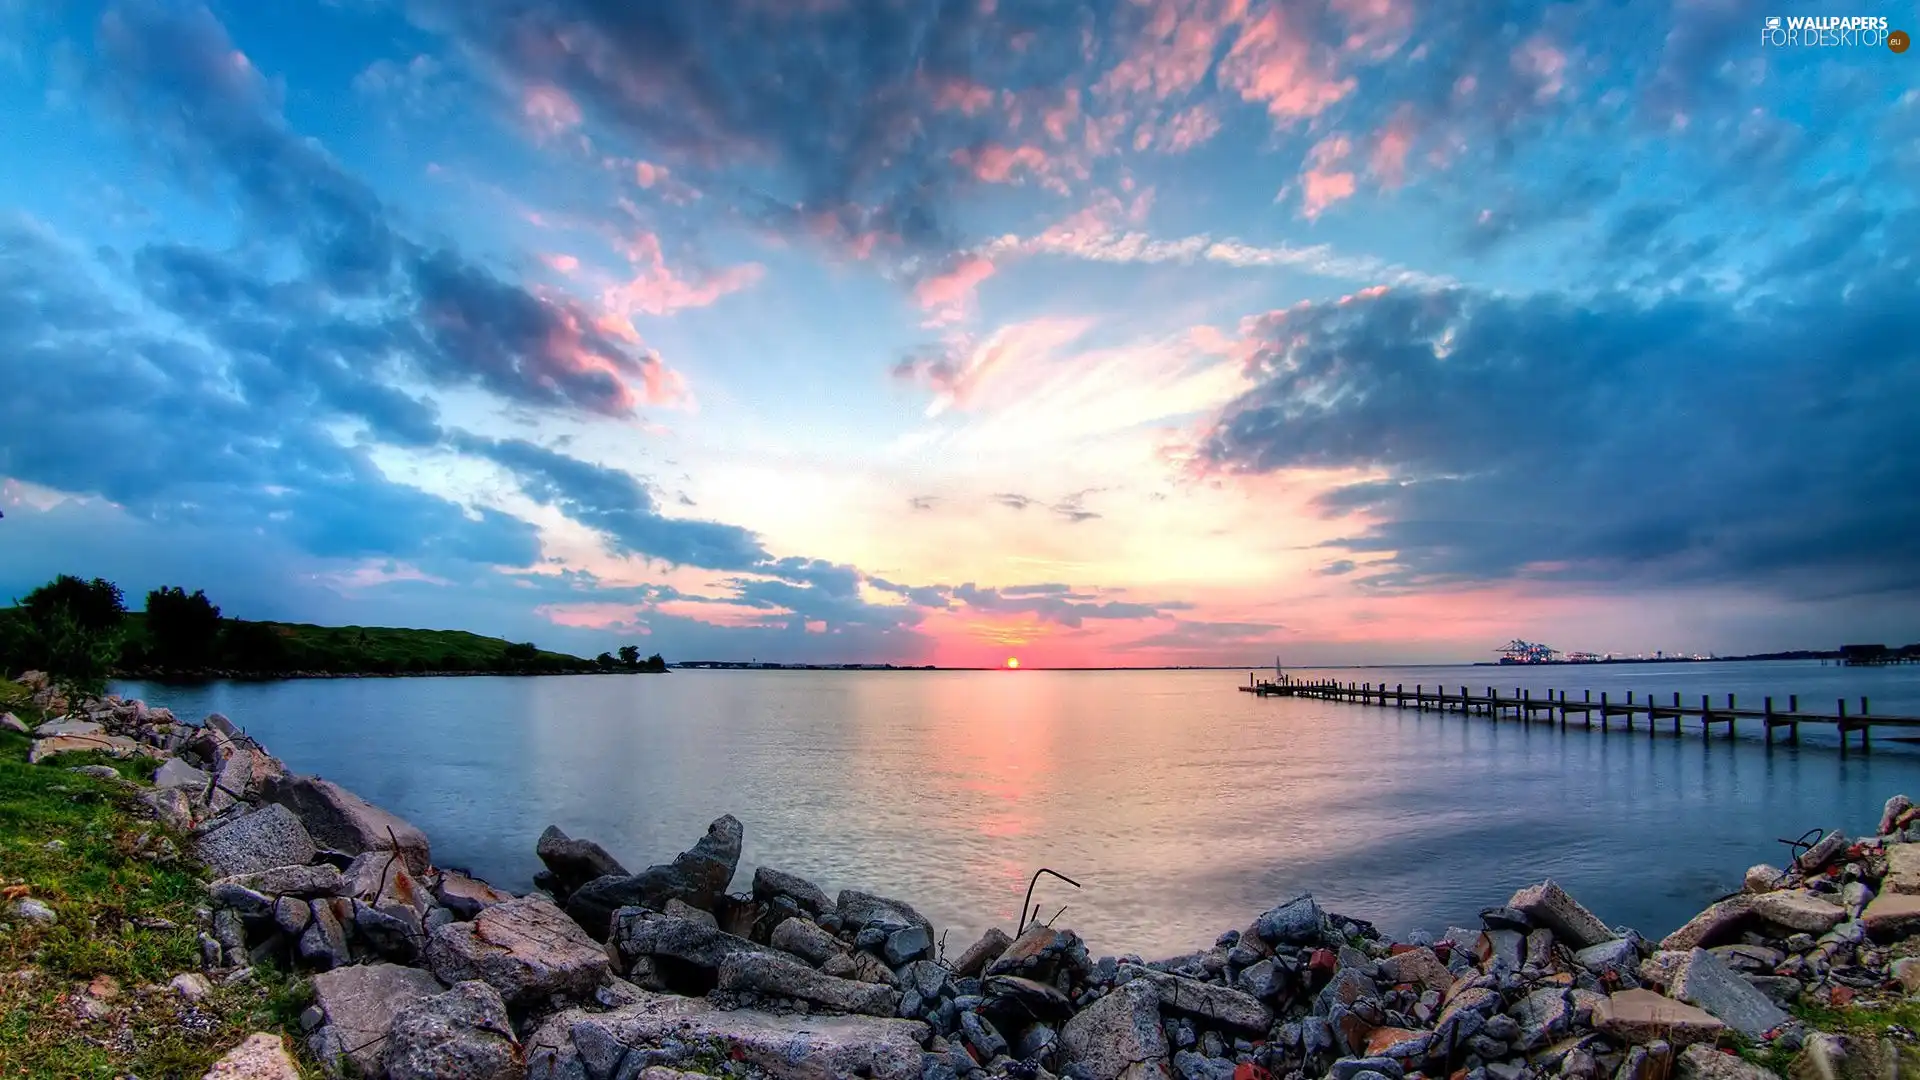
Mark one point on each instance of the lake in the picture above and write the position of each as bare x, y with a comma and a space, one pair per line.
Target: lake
1182, 807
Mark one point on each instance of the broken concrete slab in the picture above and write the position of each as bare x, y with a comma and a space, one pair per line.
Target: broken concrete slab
1548, 905
1221, 1004
527, 949
1642, 1016
766, 973
262, 840
1709, 982
359, 1004
1798, 909
345, 822
1120, 1036
578, 1045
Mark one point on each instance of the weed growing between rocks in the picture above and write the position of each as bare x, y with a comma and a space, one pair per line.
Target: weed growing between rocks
87, 994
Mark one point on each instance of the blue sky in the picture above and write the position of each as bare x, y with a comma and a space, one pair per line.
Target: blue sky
1155, 331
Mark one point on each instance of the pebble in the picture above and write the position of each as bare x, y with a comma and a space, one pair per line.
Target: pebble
27, 909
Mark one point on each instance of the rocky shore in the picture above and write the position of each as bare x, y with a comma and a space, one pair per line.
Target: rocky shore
420, 971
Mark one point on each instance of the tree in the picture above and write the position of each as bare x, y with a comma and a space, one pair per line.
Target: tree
630, 655
185, 630
655, 664
605, 661
254, 647
72, 631
95, 606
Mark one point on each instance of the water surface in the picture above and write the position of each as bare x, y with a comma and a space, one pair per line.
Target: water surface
1181, 806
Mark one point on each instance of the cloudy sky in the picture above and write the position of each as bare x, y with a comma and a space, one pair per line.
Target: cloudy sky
1151, 331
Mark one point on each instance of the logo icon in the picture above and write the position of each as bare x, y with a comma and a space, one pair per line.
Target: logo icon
1773, 22
1898, 41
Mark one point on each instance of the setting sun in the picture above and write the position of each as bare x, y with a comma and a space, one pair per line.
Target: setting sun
1012, 662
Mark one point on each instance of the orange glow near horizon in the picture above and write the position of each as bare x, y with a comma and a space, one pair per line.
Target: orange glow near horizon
1013, 663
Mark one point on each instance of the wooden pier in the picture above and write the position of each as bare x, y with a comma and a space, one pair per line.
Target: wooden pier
1557, 705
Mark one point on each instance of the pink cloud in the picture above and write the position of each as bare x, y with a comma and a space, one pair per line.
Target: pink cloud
948, 295
1057, 118
1377, 28
647, 174
995, 164
1174, 49
550, 109
565, 264
1324, 180
962, 96
1543, 62
656, 290
1388, 162
1189, 128
1274, 63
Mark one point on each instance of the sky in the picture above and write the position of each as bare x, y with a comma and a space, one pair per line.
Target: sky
1130, 333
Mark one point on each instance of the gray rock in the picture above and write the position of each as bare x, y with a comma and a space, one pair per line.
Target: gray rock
10, 722
1220, 1004
1548, 905
323, 944
870, 938
1708, 982
1349, 1068
680, 909
174, 808
72, 728
1118, 1037
466, 896
983, 952
1782, 990
1798, 909
97, 772
462, 1033
293, 915
304, 881
1617, 955
1699, 1062
578, 1045
527, 949
1419, 966
769, 884
776, 976
805, 940
261, 1056
192, 986
226, 894
1543, 1015
1501, 950
573, 862
927, 977
980, 1034
640, 935
1264, 980
859, 910
698, 876
176, 773
1188, 1065
381, 879
1758, 959
29, 910
394, 932
1816, 858
1297, 922
907, 945
345, 822
360, 1003
1014, 995
266, 838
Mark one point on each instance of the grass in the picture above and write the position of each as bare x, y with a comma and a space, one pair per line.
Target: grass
123, 915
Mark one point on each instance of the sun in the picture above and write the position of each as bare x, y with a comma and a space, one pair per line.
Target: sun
1012, 662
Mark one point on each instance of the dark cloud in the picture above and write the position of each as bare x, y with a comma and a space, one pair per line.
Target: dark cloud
367, 299
1764, 439
839, 106
1338, 568
178, 438
924, 502
1051, 588
1013, 500
618, 506
926, 596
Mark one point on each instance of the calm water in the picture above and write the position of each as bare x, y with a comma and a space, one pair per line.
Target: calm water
1182, 806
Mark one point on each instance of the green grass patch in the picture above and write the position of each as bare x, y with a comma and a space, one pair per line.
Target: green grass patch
79, 845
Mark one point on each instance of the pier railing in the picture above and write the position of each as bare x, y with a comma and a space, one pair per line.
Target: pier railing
1525, 706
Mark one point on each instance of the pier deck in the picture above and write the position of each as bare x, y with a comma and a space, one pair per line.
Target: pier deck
1557, 705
